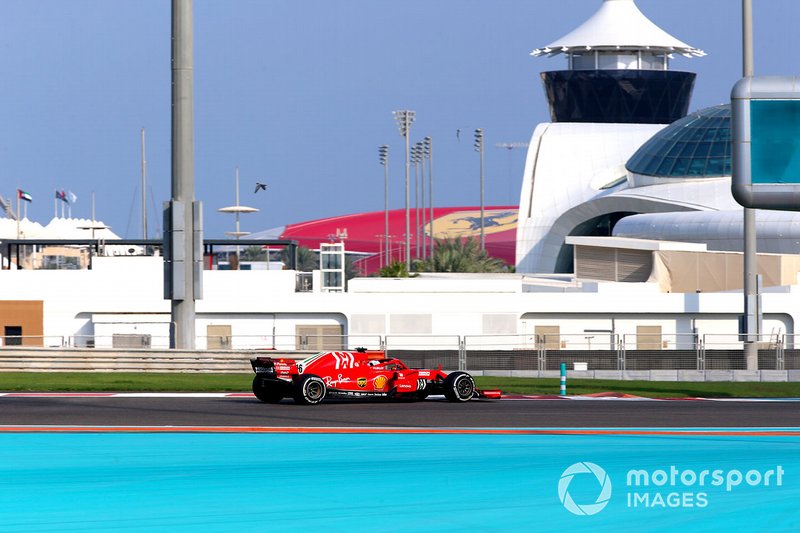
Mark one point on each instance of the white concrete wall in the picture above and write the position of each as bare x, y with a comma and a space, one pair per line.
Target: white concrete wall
263, 303
567, 165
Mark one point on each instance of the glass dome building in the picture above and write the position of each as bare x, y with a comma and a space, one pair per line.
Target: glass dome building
696, 146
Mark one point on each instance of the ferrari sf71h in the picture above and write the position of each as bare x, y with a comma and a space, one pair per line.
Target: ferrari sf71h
359, 374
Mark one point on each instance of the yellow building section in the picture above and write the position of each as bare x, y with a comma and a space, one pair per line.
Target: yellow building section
22, 322
468, 223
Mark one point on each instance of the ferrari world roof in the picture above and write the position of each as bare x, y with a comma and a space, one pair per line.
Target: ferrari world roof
363, 232
618, 24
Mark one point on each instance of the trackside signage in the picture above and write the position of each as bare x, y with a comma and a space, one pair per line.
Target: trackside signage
586, 488
765, 131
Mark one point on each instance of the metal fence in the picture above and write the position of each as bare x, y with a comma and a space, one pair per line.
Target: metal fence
476, 352
624, 352
20, 359
501, 352
45, 341
427, 351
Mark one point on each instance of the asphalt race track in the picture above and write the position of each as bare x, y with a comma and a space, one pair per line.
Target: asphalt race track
246, 411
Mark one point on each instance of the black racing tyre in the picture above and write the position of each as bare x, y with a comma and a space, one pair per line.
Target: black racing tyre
266, 393
459, 387
309, 390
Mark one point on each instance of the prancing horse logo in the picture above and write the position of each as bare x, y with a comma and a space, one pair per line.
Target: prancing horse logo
468, 223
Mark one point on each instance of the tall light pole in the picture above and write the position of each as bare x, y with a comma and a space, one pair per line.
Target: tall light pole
428, 145
750, 289
509, 146
421, 224
479, 148
383, 154
404, 120
144, 190
183, 228
416, 158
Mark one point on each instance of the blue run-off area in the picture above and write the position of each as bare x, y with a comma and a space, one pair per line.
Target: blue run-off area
398, 482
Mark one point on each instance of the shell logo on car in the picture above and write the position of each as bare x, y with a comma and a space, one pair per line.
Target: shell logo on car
380, 382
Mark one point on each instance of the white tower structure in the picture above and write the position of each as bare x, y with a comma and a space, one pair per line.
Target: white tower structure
618, 36
615, 94
237, 210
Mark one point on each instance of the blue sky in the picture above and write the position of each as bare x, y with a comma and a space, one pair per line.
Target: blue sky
300, 94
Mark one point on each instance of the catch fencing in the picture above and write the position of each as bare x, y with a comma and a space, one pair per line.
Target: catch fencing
609, 352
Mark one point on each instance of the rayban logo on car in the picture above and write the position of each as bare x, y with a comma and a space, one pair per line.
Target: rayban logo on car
331, 382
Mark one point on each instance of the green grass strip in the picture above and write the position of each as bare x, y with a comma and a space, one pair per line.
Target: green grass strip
202, 382
123, 382
647, 389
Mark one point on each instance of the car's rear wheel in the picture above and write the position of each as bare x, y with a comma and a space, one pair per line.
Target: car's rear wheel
459, 387
310, 390
266, 393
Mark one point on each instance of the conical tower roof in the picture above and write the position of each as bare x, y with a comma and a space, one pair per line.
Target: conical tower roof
618, 25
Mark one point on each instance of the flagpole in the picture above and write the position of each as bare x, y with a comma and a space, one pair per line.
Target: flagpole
55, 206
19, 213
144, 190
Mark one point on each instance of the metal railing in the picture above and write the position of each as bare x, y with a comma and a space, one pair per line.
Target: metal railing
74, 254
43, 341
427, 351
474, 352
503, 352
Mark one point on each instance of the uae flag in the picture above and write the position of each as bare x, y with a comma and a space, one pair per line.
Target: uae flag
22, 195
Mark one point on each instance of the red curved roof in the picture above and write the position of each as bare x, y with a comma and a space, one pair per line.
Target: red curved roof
364, 232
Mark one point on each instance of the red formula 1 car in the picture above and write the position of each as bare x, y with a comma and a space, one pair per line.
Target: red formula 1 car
359, 374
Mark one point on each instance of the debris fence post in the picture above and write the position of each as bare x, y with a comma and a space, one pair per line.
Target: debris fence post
563, 391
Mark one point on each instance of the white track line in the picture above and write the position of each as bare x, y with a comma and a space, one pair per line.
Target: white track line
250, 395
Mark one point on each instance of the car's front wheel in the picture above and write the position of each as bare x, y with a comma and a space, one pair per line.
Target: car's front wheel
459, 387
310, 390
266, 393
